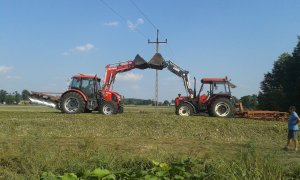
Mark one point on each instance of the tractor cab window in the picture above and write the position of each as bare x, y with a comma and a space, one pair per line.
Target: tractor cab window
75, 83
87, 86
219, 88
204, 90
98, 83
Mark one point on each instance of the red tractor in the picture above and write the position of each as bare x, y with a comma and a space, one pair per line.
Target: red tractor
217, 101
85, 93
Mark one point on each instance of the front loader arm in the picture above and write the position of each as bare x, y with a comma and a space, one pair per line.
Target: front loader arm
184, 74
111, 70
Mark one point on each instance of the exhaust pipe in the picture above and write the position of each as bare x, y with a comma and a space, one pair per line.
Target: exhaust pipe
42, 102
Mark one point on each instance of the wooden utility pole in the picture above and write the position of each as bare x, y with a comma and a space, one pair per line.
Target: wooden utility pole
157, 42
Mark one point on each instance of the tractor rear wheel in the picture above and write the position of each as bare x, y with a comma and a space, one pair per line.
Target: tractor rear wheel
185, 109
108, 108
72, 103
221, 107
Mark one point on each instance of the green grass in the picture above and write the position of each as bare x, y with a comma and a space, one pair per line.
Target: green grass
35, 139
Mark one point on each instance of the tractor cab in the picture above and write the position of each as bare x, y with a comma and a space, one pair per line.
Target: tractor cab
212, 87
88, 84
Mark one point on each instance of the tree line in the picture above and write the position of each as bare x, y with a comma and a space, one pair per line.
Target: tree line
134, 101
13, 98
280, 87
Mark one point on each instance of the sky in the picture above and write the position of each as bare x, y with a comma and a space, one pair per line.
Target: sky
44, 43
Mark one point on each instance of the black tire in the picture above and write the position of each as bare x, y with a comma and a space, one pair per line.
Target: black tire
121, 109
87, 111
185, 109
177, 111
72, 103
108, 108
221, 107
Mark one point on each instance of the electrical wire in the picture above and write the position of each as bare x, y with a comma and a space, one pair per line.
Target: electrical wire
143, 14
122, 17
155, 27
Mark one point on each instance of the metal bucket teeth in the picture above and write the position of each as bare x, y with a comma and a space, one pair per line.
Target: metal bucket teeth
157, 62
140, 63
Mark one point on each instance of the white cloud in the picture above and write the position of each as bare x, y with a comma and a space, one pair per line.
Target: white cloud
84, 48
112, 23
13, 77
5, 69
129, 77
135, 25
81, 49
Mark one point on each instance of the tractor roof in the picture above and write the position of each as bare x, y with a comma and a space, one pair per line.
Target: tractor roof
217, 80
86, 76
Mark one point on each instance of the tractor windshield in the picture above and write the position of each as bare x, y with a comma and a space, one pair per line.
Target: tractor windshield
220, 88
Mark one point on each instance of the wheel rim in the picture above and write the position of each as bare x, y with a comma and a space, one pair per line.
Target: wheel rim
107, 109
72, 105
184, 111
222, 109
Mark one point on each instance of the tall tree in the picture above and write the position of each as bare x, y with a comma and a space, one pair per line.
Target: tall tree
18, 97
281, 87
293, 78
10, 99
272, 95
166, 103
25, 94
3, 95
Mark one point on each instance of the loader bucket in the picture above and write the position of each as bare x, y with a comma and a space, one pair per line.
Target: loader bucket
157, 62
140, 63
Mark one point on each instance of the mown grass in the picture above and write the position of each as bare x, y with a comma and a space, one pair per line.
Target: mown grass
35, 139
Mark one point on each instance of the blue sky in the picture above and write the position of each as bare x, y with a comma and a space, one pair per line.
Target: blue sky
42, 43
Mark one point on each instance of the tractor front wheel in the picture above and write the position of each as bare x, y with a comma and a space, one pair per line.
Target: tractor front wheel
72, 103
185, 109
221, 107
108, 108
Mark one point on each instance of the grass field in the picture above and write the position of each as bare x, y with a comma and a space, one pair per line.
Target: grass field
37, 139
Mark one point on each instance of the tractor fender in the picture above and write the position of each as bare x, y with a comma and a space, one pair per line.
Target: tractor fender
194, 109
77, 91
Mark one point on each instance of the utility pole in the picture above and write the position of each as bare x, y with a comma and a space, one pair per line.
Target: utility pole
157, 42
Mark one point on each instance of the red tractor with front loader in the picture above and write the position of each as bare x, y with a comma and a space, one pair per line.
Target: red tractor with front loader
85, 93
217, 101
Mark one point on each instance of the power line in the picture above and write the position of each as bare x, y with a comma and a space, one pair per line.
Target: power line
109, 7
122, 17
143, 14
148, 19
